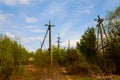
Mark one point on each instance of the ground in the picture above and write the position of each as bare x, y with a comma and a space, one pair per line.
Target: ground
33, 73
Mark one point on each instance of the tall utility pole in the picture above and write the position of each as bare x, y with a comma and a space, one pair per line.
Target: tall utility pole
50, 42
58, 42
69, 44
101, 32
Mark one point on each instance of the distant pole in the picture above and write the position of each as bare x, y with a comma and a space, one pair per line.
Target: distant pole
69, 44
50, 42
58, 42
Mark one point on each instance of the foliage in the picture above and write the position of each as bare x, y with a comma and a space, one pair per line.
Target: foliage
76, 62
11, 57
59, 55
87, 45
112, 53
6, 58
41, 59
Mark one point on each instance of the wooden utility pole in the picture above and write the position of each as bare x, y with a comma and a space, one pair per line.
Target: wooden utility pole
101, 32
58, 42
50, 42
69, 44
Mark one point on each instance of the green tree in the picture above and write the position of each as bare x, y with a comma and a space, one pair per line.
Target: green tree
42, 58
16, 54
59, 55
87, 45
75, 62
112, 53
6, 58
12, 56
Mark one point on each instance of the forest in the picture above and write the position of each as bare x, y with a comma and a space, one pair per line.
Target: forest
95, 57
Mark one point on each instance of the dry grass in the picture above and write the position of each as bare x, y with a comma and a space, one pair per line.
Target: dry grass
33, 73
47, 73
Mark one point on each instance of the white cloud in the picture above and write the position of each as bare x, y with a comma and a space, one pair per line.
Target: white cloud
19, 2
72, 43
9, 34
23, 40
34, 29
15, 36
40, 0
29, 27
30, 39
29, 49
16, 2
10, 2
24, 2
5, 18
65, 28
31, 19
53, 9
90, 7
86, 10
2, 17
37, 30
111, 3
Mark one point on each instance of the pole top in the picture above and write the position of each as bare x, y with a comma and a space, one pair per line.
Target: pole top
49, 24
98, 19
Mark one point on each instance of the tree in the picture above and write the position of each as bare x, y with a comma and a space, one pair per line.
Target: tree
59, 55
41, 58
16, 54
87, 45
6, 58
12, 55
75, 62
114, 37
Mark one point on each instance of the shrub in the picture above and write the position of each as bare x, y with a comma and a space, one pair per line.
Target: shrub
76, 63
41, 59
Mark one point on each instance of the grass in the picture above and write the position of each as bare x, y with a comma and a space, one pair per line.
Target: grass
115, 77
68, 77
0, 68
88, 79
33, 73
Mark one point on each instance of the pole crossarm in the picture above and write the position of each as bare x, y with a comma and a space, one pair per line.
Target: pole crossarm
49, 25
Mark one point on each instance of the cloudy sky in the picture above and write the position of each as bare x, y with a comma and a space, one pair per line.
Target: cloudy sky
24, 20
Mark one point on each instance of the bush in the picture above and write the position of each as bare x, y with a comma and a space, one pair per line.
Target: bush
76, 63
59, 56
41, 59
11, 57
6, 58
77, 68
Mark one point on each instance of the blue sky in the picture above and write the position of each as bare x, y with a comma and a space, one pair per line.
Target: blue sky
24, 20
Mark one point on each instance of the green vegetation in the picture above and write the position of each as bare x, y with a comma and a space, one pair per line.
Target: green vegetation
12, 57
86, 60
